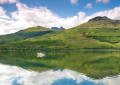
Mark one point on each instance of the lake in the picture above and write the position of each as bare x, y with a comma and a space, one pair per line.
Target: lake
58, 68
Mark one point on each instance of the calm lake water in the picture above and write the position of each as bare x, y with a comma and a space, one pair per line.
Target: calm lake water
13, 75
77, 68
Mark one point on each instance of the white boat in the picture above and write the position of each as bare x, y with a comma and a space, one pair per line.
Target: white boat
40, 55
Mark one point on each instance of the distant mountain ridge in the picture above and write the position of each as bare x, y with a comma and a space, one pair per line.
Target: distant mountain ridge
56, 28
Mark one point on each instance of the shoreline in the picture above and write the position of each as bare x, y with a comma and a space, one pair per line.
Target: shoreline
67, 50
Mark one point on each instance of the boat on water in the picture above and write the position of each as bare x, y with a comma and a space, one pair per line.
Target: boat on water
41, 55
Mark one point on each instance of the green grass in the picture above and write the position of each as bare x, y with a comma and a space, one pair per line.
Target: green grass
110, 35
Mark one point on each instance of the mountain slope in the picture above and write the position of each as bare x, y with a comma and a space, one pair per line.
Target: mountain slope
97, 33
100, 22
24, 34
102, 29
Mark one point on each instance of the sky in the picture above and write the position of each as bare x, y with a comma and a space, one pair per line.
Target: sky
18, 15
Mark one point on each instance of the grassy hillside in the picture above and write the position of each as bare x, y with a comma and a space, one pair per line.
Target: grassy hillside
97, 33
24, 34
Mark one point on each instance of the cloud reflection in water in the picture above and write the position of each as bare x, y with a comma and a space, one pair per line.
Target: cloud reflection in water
13, 75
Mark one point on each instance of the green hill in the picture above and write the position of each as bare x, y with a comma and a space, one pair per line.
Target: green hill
24, 34
97, 33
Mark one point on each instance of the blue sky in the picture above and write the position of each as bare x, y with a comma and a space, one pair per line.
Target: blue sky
49, 13
65, 8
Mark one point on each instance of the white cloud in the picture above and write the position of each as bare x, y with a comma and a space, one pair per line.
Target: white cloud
112, 14
103, 1
74, 1
8, 1
3, 13
26, 17
41, 16
89, 5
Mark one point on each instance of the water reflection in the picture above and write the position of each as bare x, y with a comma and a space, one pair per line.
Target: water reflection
93, 64
12, 75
